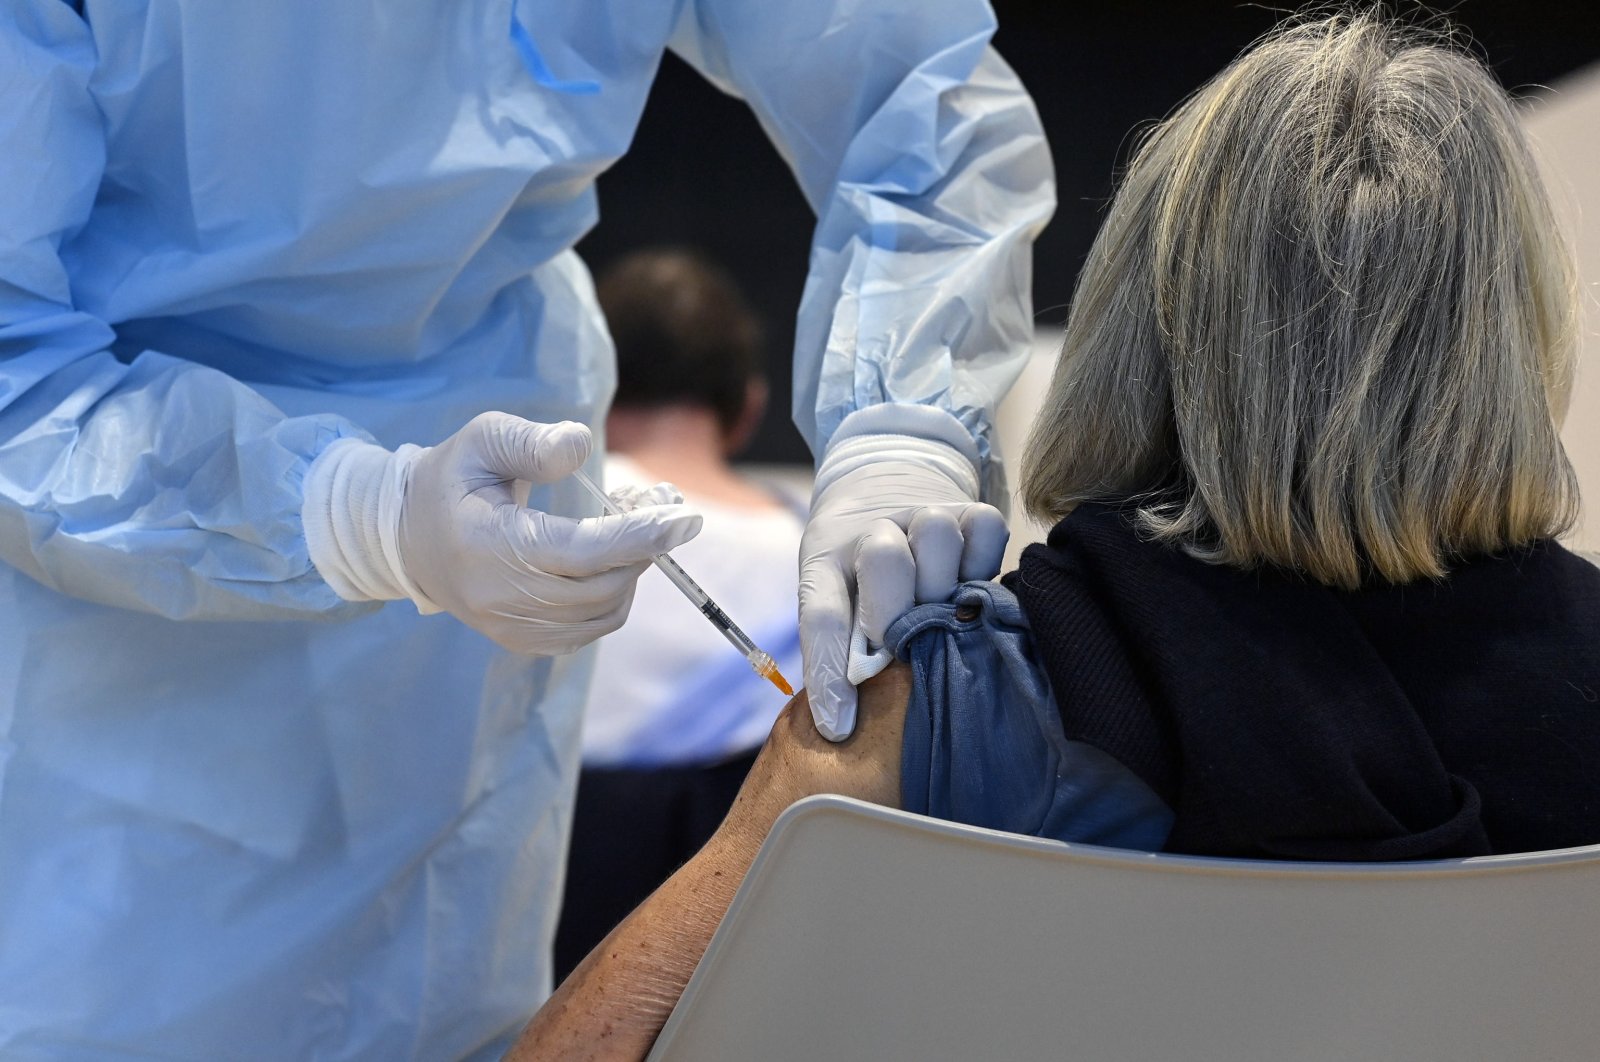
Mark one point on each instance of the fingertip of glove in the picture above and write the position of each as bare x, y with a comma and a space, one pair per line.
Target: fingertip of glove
662, 527
569, 443
833, 714
986, 538
987, 520
685, 526
835, 729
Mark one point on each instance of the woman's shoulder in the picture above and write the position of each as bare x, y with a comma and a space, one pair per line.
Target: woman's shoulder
1540, 573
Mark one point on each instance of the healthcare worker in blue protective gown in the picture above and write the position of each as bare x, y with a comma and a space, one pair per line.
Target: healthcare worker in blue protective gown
262, 267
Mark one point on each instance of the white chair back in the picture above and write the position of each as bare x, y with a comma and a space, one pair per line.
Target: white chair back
865, 933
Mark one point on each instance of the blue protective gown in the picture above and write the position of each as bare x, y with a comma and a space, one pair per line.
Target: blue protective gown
240, 817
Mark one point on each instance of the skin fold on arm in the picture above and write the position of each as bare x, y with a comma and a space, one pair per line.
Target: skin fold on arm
614, 1004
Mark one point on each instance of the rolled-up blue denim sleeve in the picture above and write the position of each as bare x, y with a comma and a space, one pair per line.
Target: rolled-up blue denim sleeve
155, 484
983, 739
925, 162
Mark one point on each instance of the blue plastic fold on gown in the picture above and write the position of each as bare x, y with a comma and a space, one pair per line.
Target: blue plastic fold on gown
242, 818
536, 64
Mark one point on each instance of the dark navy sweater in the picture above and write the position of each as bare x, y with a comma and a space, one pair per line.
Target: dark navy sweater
1283, 719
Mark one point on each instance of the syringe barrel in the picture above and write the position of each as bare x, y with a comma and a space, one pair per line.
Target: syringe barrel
708, 607
680, 578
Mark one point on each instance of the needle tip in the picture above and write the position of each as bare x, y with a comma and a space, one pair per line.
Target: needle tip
777, 679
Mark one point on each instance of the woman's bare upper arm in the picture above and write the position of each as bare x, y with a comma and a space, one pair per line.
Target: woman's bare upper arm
800, 762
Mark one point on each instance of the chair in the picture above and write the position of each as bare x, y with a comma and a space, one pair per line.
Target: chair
866, 933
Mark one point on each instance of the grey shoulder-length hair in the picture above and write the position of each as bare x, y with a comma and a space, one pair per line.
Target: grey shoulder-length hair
1329, 322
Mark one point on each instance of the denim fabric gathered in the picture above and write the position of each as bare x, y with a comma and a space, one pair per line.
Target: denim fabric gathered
983, 740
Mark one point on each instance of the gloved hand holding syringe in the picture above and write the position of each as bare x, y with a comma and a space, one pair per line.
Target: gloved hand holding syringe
760, 660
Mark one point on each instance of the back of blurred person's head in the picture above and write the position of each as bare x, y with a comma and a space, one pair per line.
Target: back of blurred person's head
686, 338
1329, 322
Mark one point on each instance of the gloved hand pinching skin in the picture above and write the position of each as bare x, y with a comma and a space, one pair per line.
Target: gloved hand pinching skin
895, 522
443, 526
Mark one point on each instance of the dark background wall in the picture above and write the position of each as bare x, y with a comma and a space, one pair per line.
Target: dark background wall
701, 172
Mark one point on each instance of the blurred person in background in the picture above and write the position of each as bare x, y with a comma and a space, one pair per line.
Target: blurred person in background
675, 715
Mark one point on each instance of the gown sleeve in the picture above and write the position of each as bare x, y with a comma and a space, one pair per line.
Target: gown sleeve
924, 160
154, 484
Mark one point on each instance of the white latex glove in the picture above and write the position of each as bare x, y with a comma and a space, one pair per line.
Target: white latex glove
444, 527
895, 522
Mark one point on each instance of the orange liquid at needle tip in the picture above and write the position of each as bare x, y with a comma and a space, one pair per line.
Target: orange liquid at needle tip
760, 660
770, 672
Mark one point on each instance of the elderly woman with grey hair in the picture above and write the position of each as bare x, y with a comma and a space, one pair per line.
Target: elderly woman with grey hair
1303, 598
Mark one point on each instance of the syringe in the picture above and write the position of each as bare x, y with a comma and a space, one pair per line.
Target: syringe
763, 663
